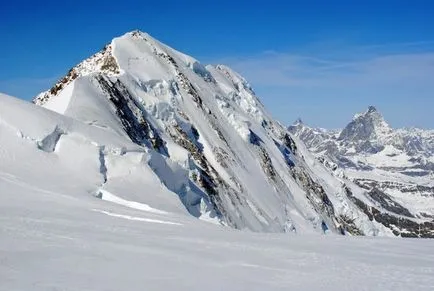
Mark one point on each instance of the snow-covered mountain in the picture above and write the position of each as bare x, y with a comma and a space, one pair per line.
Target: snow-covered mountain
394, 166
208, 139
142, 124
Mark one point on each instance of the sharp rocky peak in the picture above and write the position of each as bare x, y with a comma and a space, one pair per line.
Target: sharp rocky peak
366, 126
371, 113
371, 109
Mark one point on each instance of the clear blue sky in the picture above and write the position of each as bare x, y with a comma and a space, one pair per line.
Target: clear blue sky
321, 60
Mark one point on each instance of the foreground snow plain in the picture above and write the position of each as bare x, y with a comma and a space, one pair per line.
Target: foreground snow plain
59, 230
51, 241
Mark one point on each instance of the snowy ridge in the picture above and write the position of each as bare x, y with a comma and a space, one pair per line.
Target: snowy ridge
102, 61
393, 166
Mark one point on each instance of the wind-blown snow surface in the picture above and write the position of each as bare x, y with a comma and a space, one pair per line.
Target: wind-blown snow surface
53, 240
56, 234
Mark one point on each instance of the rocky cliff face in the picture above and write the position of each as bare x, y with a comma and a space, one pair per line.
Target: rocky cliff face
393, 166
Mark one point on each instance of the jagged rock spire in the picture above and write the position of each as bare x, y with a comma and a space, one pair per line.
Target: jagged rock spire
365, 126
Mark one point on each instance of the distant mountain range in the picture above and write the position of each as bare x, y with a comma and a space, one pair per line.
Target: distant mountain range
394, 166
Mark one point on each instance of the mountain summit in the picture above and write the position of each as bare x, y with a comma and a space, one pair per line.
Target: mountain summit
371, 109
366, 126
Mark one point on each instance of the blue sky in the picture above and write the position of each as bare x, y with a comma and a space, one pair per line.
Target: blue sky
319, 60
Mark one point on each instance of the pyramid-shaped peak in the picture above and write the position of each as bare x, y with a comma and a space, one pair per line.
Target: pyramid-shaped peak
128, 53
137, 36
371, 109
371, 113
138, 33
366, 126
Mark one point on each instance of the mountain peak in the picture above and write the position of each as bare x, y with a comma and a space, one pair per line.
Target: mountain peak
138, 33
130, 52
365, 126
371, 112
371, 109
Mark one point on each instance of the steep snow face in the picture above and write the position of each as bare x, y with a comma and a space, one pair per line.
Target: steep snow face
213, 144
393, 166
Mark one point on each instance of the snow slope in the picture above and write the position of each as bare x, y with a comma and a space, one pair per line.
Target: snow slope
212, 141
52, 241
